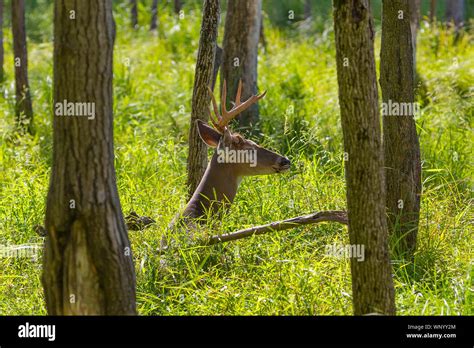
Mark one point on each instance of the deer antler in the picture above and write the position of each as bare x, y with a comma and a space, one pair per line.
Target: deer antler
220, 121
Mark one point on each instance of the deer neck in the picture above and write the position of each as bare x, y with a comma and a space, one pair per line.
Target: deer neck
217, 188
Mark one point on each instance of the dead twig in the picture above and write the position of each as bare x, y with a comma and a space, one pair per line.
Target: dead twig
314, 218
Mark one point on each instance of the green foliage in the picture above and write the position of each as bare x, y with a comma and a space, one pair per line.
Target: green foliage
278, 273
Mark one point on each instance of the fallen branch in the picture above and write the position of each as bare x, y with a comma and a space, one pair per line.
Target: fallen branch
322, 216
136, 222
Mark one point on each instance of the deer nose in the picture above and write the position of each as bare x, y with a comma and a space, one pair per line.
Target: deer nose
284, 162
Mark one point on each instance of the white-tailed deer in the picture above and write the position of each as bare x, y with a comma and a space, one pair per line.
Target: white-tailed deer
234, 158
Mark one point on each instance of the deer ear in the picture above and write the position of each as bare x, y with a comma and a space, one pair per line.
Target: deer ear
209, 135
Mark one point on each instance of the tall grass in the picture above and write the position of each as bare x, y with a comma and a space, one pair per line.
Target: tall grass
279, 273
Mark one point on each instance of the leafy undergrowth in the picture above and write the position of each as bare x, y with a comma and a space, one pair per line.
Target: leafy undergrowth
278, 273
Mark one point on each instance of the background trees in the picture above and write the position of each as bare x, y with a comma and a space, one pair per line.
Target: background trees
372, 285
203, 78
87, 263
401, 147
455, 12
178, 5
414, 8
134, 13
24, 107
240, 53
154, 15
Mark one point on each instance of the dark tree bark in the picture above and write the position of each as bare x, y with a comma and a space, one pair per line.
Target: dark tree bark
307, 9
372, 284
401, 146
241, 35
154, 15
432, 10
24, 107
455, 12
217, 65
134, 13
203, 76
262, 38
88, 268
178, 5
2, 51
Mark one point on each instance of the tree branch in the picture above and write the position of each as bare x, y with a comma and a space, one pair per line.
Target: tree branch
314, 218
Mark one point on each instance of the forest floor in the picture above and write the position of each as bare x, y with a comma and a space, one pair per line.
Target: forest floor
278, 273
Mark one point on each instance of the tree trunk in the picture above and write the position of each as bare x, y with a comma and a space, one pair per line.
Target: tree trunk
88, 267
241, 35
401, 146
307, 9
203, 76
372, 284
415, 14
24, 107
217, 65
178, 5
2, 51
134, 13
154, 15
432, 10
455, 12
262, 38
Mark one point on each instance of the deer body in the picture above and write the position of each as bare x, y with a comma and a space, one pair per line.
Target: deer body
219, 184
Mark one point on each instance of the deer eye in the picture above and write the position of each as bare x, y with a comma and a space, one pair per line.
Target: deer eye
240, 140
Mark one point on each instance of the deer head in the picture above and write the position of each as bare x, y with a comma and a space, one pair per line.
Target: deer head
244, 156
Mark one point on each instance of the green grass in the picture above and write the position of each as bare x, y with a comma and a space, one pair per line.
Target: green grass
279, 273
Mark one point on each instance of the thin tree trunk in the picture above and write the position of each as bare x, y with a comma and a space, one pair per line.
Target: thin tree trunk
217, 65
24, 107
307, 9
241, 35
262, 38
154, 15
197, 155
134, 13
415, 14
372, 285
432, 10
2, 52
455, 12
178, 5
401, 146
88, 268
